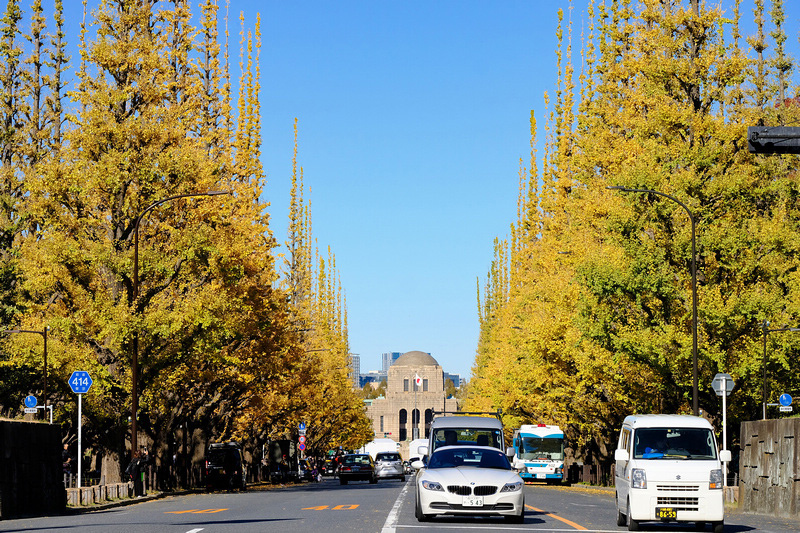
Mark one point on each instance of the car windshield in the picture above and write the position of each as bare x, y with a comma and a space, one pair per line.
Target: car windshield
460, 436
388, 457
356, 460
469, 457
674, 443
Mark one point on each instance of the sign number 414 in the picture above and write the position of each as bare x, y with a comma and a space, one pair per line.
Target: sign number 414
80, 381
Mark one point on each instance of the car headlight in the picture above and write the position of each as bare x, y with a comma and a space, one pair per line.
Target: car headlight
638, 478
715, 479
432, 485
512, 487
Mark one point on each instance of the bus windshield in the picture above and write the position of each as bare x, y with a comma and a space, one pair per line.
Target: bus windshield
541, 448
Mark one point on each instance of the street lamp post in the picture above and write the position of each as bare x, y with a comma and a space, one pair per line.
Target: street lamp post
43, 333
135, 358
695, 406
765, 329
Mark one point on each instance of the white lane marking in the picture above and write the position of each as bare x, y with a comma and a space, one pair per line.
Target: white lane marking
198, 530
394, 515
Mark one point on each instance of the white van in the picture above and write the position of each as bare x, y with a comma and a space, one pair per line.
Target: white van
465, 429
668, 468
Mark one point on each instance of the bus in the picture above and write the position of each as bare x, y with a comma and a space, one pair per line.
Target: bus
539, 453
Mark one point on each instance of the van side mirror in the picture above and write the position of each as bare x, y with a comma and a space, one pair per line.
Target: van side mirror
621, 454
725, 456
422, 450
509, 452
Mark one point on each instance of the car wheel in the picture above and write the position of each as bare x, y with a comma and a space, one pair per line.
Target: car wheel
633, 525
418, 513
621, 518
402, 478
342, 481
699, 526
373, 480
719, 527
516, 519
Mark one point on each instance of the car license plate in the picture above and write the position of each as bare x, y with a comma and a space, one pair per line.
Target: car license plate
541, 476
472, 501
666, 512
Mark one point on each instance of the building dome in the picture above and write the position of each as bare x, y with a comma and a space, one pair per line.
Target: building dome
415, 358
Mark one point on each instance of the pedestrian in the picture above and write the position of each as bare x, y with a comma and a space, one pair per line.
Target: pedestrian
66, 461
135, 472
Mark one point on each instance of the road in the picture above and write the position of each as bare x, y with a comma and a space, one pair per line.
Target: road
387, 507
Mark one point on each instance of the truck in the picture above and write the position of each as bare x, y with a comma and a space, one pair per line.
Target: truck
539, 453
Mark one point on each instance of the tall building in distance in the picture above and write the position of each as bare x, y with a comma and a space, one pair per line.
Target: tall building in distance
387, 359
455, 377
355, 370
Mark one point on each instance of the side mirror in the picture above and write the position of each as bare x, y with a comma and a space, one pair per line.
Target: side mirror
417, 465
725, 456
621, 454
509, 452
422, 450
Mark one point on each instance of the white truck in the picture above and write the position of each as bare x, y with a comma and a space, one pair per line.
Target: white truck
669, 469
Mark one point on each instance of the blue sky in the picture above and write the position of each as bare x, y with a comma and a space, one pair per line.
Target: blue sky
413, 116
412, 119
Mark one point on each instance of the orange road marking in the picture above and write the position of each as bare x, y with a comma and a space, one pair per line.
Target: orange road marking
568, 522
319, 508
345, 507
196, 511
209, 511
181, 512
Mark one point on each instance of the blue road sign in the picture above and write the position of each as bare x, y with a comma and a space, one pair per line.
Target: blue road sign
30, 400
785, 400
301, 426
80, 381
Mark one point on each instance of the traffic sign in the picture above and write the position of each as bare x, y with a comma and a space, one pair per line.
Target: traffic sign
30, 410
80, 381
302, 439
785, 408
301, 426
301, 446
785, 400
716, 384
30, 400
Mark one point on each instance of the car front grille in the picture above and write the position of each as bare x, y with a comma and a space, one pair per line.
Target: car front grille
484, 490
456, 507
678, 488
461, 490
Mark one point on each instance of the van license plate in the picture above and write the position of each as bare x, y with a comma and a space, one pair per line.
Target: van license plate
666, 512
472, 501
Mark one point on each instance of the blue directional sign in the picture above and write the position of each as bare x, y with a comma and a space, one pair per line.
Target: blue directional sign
785, 400
80, 381
301, 426
30, 401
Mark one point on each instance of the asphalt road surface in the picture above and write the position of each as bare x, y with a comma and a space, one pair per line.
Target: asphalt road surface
387, 507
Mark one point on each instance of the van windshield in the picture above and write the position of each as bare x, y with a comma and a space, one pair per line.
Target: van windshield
460, 436
674, 443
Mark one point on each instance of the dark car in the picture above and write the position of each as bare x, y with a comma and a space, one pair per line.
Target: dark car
356, 467
390, 465
225, 466
329, 469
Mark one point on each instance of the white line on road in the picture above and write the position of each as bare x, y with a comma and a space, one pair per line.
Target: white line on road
495, 527
198, 530
391, 520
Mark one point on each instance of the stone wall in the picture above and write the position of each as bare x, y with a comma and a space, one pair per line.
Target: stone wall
769, 471
31, 474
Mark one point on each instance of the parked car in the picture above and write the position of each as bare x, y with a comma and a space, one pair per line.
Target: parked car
357, 466
306, 472
329, 469
225, 466
468, 481
390, 465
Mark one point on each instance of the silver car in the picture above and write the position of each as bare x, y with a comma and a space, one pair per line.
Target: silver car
388, 465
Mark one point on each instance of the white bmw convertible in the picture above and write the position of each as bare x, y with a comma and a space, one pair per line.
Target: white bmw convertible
468, 480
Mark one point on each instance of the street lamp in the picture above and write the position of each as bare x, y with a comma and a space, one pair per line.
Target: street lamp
135, 358
695, 407
765, 329
43, 333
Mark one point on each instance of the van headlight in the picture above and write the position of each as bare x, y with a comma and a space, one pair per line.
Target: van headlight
715, 479
638, 478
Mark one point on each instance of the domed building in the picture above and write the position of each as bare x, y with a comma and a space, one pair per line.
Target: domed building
407, 410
